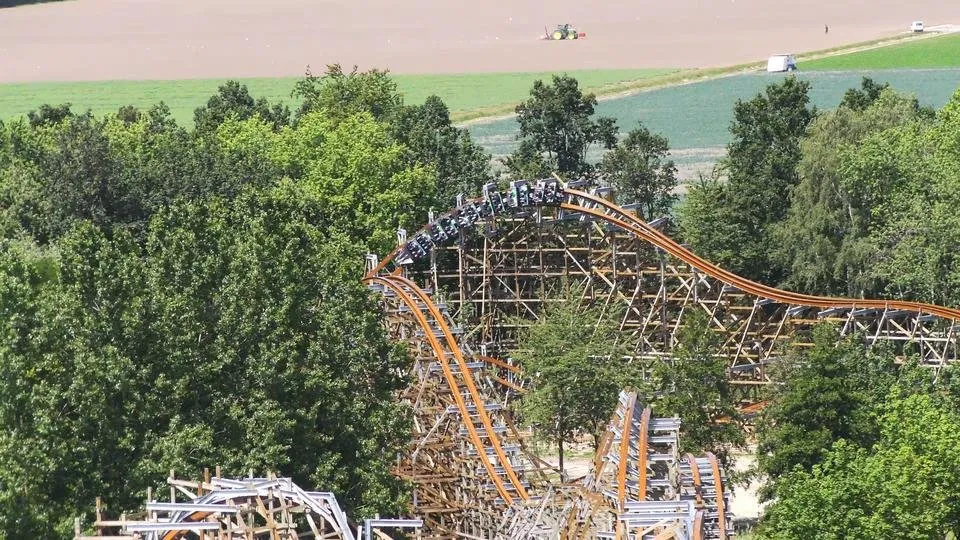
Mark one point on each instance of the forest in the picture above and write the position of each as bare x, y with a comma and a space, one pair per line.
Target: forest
177, 297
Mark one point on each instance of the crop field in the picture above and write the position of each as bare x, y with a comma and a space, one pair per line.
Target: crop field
467, 95
696, 117
938, 52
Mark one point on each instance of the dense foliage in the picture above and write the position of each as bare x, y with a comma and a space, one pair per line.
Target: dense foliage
641, 173
732, 223
573, 355
694, 386
903, 486
857, 201
557, 130
176, 298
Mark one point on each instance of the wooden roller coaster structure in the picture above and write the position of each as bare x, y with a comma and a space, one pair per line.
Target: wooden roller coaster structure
448, 294
500, 256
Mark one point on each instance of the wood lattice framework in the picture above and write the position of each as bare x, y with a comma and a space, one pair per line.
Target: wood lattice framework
503, 256
508, 263
471, 473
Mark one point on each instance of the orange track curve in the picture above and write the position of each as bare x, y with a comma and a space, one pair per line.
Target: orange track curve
471, 386
630, 223
395, 284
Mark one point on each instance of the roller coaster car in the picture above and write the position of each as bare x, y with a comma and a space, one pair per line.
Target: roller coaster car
483, 209
449, 226
519, 196
467, 215
437, 234
415, 249
403, 256
552, 194
493, 199
536, 194
420, 245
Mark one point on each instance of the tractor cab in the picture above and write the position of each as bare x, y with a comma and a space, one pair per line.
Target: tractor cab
565, 31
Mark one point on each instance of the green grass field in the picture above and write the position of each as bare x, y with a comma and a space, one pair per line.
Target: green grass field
936, 52
467, 95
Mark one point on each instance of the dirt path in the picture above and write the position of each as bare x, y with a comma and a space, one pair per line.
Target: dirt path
171, 39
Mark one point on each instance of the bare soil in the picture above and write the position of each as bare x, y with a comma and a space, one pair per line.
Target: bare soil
177, 39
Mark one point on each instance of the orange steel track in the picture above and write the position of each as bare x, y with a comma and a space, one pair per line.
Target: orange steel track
397, 284
471, 386
630, 223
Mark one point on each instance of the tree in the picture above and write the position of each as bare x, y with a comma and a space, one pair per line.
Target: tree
909, 173
233, 100
425, 131
118, 170
905, 486
48, 115
821, 396
345, 94
238, 335
528, 162
557, 121
638, 169
859, 99
761, 169
824, 242
461, 165
709, 223
693, 384
364, 185
573, 355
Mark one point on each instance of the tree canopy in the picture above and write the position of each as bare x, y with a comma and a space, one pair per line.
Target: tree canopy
573, 355
733, 224
179, 298
904, 486
694, 386
637, 167
556, 130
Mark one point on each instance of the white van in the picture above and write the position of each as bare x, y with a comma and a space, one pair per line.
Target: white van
781, 62
917, 26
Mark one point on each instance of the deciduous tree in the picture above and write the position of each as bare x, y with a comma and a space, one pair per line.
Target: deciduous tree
694, 385
557, 120
638, 167
573, 356
905, 486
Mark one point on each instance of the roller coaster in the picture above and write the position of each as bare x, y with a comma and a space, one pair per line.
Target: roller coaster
497, 257
453, 293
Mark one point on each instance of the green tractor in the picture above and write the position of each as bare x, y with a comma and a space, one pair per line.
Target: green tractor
564, 31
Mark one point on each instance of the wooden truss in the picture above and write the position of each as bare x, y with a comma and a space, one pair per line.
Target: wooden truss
510, 262
474, 478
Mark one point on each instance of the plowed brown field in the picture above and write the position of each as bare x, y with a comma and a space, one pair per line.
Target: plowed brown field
173, 39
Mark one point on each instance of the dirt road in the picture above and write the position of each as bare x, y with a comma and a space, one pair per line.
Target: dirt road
168, 39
